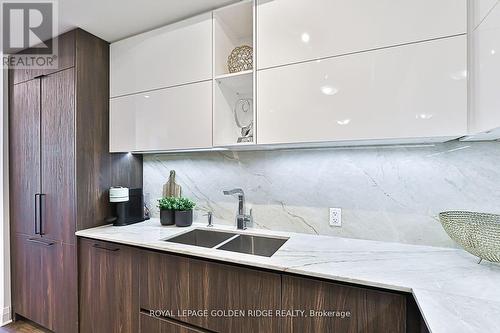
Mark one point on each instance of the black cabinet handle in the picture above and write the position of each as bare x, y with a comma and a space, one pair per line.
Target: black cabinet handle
100, 247
37, 213
41, 203
41, 241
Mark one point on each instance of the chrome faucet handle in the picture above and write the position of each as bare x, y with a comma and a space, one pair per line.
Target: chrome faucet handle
244, 221
210, 216
249, 221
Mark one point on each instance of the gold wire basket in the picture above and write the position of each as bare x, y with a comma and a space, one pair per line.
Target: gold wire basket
240, 59
477, 233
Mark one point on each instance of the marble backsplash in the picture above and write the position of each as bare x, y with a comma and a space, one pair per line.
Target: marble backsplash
386, 193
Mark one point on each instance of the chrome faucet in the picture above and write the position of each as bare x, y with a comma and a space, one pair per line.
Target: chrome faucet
242, 220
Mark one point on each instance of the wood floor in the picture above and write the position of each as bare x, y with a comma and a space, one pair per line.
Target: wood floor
21, 326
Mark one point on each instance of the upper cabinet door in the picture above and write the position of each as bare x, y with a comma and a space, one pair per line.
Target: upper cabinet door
412, 91
165, 119
65, 52
479, 9
485, 81
58, 156
24, 154
290, 31
176, 54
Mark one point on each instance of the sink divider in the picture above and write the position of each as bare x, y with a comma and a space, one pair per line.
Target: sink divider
226, 241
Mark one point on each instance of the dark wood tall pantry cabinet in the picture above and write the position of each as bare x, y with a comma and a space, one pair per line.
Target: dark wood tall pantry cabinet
60, 171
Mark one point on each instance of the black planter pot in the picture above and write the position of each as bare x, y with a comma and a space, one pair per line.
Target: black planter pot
183, 218
167, 217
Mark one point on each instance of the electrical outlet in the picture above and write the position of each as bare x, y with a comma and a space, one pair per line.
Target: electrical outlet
335, 217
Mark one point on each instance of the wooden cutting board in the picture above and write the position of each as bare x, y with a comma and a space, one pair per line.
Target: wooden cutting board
171, 188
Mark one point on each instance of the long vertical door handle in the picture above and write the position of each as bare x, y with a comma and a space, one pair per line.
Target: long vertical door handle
41, 203
37, 213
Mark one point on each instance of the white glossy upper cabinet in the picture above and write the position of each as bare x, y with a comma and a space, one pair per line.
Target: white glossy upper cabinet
485, 78
412, 91
479, 9
172, 55
162, 120
290, 31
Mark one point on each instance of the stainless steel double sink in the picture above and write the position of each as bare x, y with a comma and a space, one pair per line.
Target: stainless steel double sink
228, 241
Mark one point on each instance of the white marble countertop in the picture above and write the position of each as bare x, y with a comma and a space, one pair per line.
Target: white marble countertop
453, 292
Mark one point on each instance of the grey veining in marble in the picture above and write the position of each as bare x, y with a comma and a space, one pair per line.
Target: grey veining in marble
453, 293
386, 193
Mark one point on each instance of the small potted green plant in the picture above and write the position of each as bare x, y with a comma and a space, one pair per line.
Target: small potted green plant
183, 212
166, 206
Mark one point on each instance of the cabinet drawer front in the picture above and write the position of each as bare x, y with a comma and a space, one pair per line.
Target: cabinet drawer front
177, 284
166, 119
351, 309
290, 31
155, 325
176, 54
412, 91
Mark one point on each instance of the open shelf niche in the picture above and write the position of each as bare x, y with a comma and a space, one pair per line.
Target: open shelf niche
234, 93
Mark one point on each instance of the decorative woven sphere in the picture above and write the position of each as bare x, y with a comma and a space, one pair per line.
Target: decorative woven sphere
240, 59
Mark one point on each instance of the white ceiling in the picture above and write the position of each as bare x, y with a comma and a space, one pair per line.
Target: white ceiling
113, 20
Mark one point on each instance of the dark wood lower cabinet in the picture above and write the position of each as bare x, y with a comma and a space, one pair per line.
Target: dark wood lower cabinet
333, 308
180, 284
125, 289
108, 288
160, 325
44, 284
26, 286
